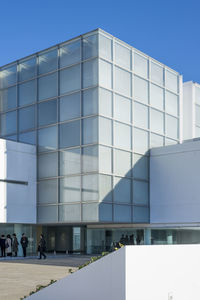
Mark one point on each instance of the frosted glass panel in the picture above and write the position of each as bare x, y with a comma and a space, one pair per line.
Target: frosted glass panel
70, 161
48, 191
48, 165
122, 190
105, 212
27, 69
157, 97
90, 159
122, 213
90, 46
27, 118
140, 141
141, 166
172, 142
122, 135
9, 123
171, 103
70, 53
47, 86
90, 188
157, 121
105, 159
90, 72
105, 102
122, 82
171, 127
47, 139
140, 192
197, 95
140, 88
70, 189
70, 134
90, 130
105, 74
47, 113
47, 214
105, 188
171, 81
8, 98
157, 73
156, 140
105, 131
48, 61
70, 79
141, 115
140, 214
105, 47
27, 93
90, 102
122, 56
8, 76
70, 107
197, 131
140, 65
28, 137
122, 109
91, 212
70, 213
122, 163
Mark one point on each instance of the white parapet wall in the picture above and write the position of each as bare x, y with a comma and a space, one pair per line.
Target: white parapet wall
17, 182
133, 273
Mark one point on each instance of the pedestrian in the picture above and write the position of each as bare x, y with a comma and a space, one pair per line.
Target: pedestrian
2, 245
24, 243
8, 245
15, 244
42, 247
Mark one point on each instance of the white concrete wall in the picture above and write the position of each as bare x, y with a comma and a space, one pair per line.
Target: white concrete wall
156, 272
188, 113
17, 202
101, 280
133, 273
175, 183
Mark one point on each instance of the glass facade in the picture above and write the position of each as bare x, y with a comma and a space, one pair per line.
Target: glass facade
93, 106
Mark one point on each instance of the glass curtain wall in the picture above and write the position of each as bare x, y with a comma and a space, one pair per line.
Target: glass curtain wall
93, 106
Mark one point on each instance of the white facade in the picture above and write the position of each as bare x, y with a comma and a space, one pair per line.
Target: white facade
17, 182
174, 184
133, 273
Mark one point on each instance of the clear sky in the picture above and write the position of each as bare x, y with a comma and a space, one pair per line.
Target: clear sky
167, 30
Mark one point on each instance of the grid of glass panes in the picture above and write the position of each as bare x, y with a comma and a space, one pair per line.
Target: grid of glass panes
139, 109
53, 100
197, 110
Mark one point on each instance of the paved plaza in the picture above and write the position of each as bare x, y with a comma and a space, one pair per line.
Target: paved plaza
18, 277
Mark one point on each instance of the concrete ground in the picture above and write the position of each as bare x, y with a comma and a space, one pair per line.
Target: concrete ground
18, 277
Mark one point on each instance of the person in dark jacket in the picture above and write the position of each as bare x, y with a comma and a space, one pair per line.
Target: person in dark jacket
42, 247
24, 243
3, 245
15, 244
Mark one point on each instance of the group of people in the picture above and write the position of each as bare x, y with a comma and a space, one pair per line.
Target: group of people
9, 245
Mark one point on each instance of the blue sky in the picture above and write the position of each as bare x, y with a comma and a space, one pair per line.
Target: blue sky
168, 30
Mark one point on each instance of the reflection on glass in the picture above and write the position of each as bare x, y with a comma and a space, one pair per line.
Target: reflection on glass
157, 96
8, 98
140, 192
157, 73
90, 159
8, 76
122, 56
171, 103
90, 102
28, 137
122, 163
122, 82
27, 118
70, 53
122, 109
48, 191
70, 79
140, 89
157, 121
70, 134
70, 161
27, 93
90, 46
122, 135
9, 123
90, 72
172, 127
48, 165
156, 140
90, 130
140, 65
122, 213
47, 86
47, 139
105, 102
48, 61
27, 69
122, 190
140, 141
171, 81
47, 112
70, 107
141, 115
70, 189
90, 187
105, 74
105, 47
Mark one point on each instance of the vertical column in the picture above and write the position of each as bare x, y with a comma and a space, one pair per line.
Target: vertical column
169, 237
147, 236
18, 231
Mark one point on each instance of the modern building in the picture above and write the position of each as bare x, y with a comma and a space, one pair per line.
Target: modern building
92, 108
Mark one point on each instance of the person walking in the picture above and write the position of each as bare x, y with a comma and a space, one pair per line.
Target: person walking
15, 244
24, 243
42, 247
8, 245
2, 245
